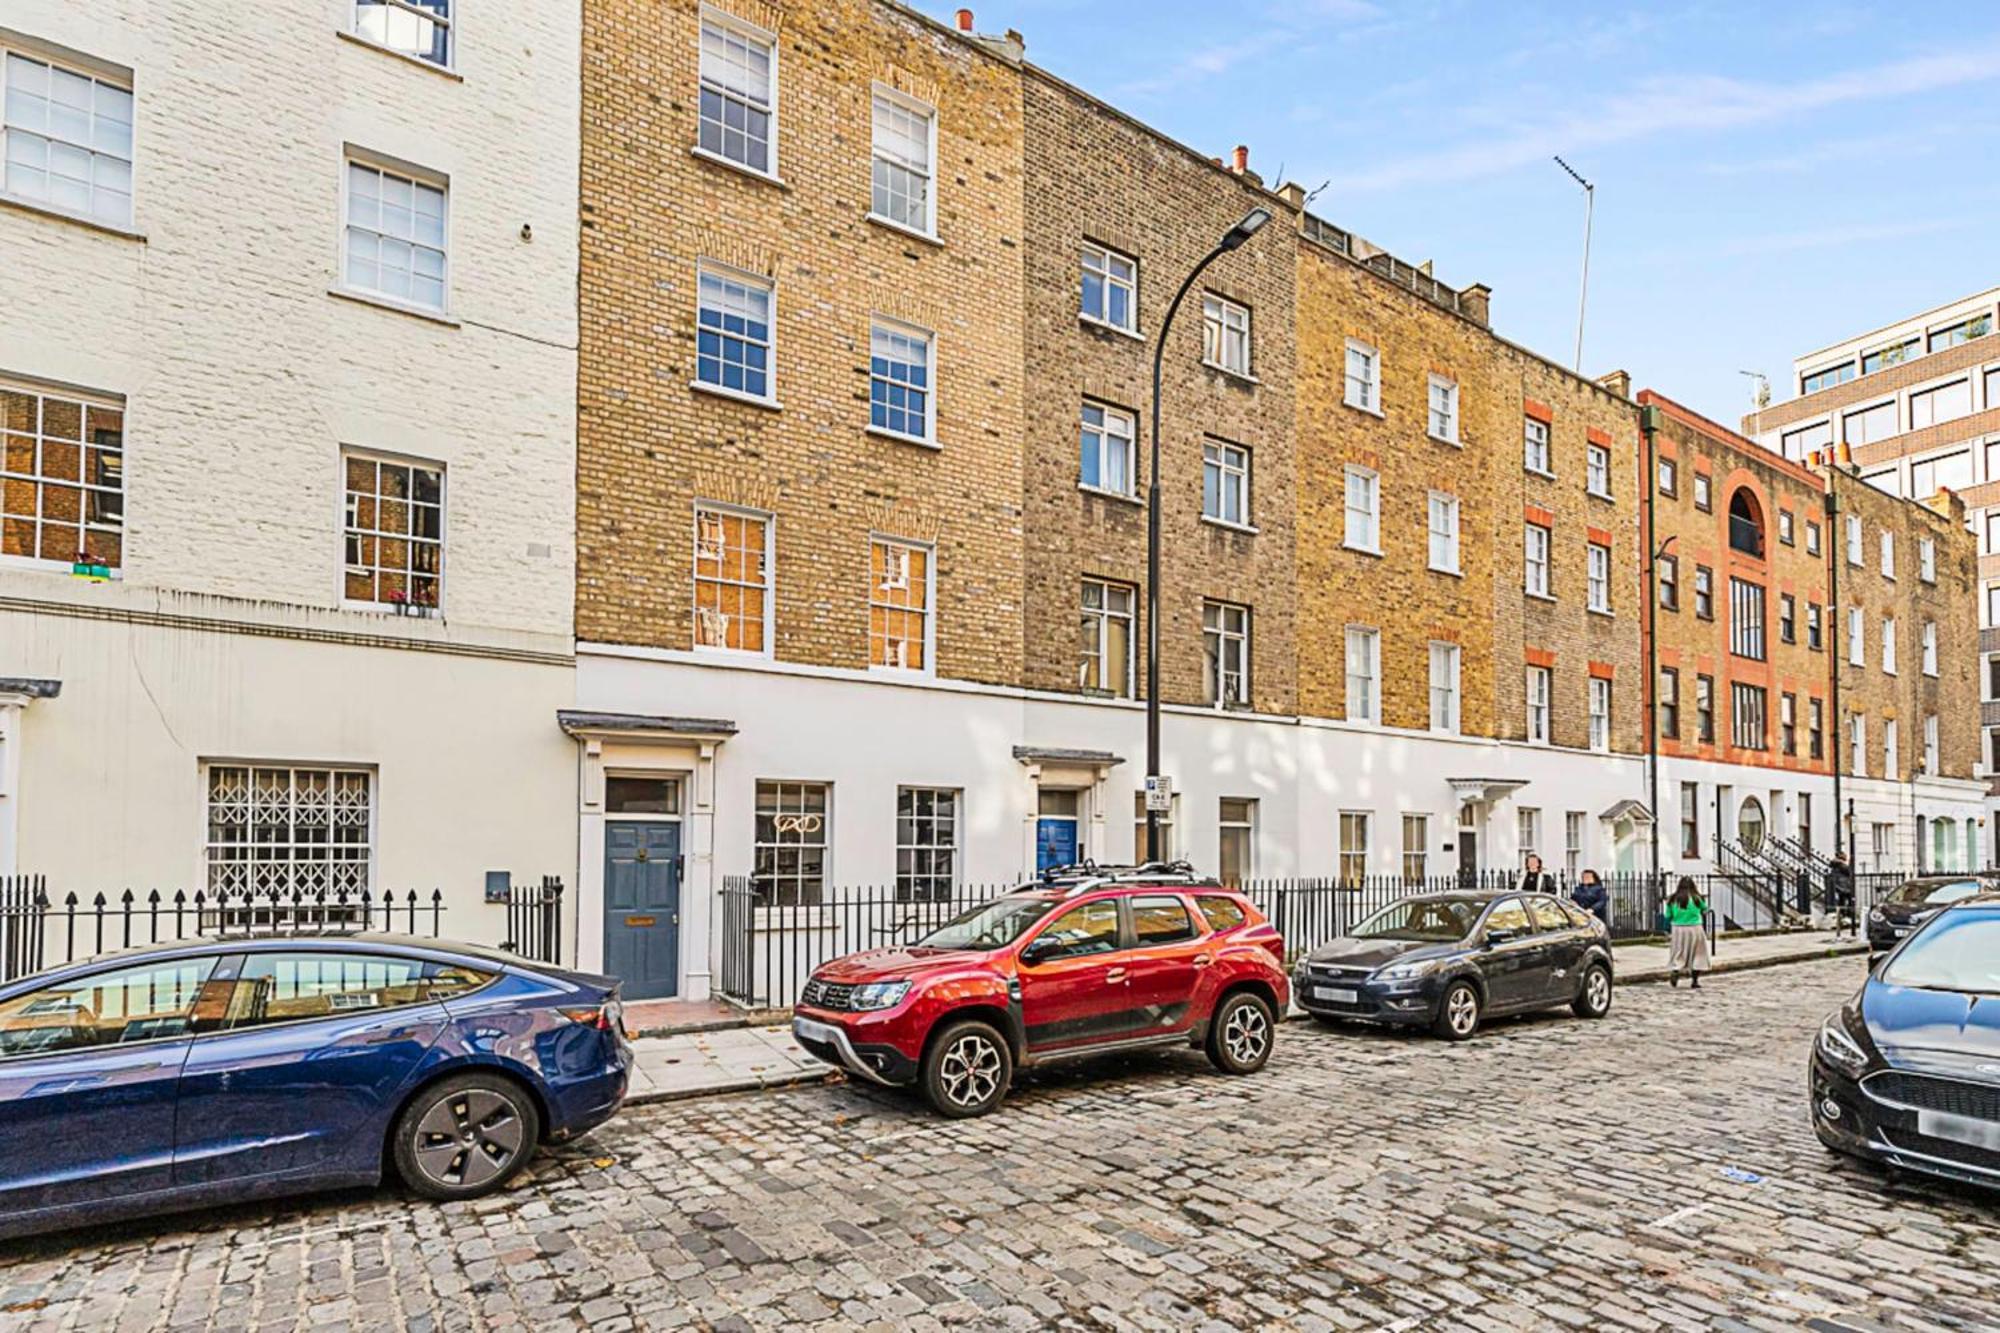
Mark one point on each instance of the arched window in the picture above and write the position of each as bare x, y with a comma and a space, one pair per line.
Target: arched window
1746, 523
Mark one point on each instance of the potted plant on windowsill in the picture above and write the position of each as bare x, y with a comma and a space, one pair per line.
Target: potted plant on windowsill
87, 566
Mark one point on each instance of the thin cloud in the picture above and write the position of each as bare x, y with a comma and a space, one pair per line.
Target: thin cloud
1289, 25
1682, 103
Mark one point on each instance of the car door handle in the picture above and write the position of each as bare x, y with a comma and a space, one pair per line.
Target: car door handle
1202, 960
1114, 976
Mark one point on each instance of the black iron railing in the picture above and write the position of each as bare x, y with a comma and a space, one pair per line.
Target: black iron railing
534, 920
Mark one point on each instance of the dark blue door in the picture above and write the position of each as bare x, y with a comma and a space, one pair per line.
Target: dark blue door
315, 1051
1055, 843
642, 907
89, 1073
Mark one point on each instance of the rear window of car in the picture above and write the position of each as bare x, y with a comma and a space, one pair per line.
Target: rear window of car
1222, 913
1161, 921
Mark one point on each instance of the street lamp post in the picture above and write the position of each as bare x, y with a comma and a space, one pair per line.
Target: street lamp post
1251, 223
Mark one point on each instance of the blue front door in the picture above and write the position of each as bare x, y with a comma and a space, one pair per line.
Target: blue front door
1055, 843
642, 907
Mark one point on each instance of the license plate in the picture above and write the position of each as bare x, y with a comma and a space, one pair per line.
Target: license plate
1335, 994
1959, 1129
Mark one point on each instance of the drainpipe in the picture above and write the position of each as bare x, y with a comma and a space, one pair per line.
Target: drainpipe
1834, 632
1649, 425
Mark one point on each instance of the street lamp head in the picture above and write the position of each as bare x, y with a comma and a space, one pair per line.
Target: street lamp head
1252, 223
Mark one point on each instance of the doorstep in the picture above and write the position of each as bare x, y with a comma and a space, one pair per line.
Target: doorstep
666, 1018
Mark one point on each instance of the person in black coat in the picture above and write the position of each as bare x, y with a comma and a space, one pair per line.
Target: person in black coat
1591, 895
1534, 879
1840, 893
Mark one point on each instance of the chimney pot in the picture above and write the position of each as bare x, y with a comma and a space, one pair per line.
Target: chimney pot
1242, 158
965, 20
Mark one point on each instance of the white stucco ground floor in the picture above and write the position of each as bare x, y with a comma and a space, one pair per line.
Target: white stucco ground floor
191, 744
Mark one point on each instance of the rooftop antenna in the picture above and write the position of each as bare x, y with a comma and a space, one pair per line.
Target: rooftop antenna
1583, 294
1760, 388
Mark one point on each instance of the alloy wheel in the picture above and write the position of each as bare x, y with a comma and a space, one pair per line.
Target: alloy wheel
1463, 1010
970, 1071
1246, 1033
468, 1138
1597, 991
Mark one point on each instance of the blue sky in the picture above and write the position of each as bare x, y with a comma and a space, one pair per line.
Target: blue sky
1770, 177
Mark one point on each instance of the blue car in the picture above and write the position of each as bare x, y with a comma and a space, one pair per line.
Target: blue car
218, 1071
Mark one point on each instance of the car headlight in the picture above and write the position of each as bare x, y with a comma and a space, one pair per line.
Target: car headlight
879, 995
1405, 971
1875, 915
1841, 1050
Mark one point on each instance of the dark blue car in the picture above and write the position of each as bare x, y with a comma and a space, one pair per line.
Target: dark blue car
224, 1070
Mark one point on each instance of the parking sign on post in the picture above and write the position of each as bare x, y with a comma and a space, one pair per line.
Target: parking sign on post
1159, 795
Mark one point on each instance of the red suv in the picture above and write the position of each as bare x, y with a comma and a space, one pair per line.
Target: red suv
1080, 963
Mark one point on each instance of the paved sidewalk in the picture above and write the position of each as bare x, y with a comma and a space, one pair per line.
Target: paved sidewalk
744, 1059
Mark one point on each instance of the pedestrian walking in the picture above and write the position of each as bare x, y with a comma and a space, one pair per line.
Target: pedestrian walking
1593, 897
1534, 879
1687, 916
1840, 893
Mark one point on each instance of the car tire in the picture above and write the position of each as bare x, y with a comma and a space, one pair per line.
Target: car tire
967, 1068
1241, 1034
1458, 1012
1593, 997
466, 1136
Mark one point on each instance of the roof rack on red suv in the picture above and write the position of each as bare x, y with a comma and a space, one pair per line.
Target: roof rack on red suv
1083, 959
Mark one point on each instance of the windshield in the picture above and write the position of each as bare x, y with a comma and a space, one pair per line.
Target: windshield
1949, 892
1959, 951
988, 926
1439, 920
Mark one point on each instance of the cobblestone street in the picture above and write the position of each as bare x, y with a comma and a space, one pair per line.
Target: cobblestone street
1652, 1171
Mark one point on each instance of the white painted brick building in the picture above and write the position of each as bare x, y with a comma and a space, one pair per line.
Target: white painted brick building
287, 394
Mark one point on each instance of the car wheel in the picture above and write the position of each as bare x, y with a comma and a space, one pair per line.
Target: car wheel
1241, 1034
967, 1069
466, 1136
1593, 999
1458, 1012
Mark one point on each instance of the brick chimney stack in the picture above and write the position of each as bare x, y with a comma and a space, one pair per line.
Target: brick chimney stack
1242, 163
1477, 303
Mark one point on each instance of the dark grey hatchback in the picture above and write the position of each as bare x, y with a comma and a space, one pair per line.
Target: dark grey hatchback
1451, 960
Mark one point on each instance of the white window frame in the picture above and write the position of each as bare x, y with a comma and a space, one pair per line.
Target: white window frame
1371, 481
1924, 403
1857, 745
1888, 645
1600, 714
40, 477
443, 21
1927, 556
768, 587
1931, 744
98, 74
1445, 708
897, 328
246, 807
1930, 648
808, 890
1226, 461
1448, 413
1364, 391
1539, 690
1528, 831
1535, 574
923, 111
1223, 634
1226, 336
1116, 425
1364, 675
1416, 850
907, 883
1246, 827
417, 178
1597, 470
750, 34
1100, 618
1888, 554
1355, 851
1890, 768
1854, 552
1442, 518
1597, 561
1575, 824
1857, 637
1095, 258
350, 533
708, 270
1537, 438
928, 611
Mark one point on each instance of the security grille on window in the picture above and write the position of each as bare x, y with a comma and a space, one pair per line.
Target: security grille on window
1444, 410
1746, 619
738, 80
395, 236
1536, 553
1236, 839
732, 579
1110, 288
926, 844
1364, 670
1600, 714
416, 28
1107, 637
1363, 510
394, 534
1538, 705
1416, 847
1599, 570
1106, 457
1746, 716
1225, 632
1670, 702
67, 140
1444, 532
1225, 334
283, 830
1225, 482
62, 478
899, 381
793, 827
1364, 371
1444, 688
1535, 441
1597, 471
899, 589
1354, 831
902, 162
733, 333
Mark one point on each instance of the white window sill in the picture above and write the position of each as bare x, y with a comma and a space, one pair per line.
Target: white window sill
1451, 440
1360, 407
1604, 611
1539, 596
388, 611
736, 395
63, 567
443, 71
1103, 493
916, 440
1444, 731
1375, 551
64, 215
1243, 376
1452, 571
899, 673
730, 165
721, 654
1605, 496
904, 229
1091, 321
1543, 473
390, 303
1214, 522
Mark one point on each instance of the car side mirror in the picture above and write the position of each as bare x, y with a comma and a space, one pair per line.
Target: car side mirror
1501, 935
1038, 950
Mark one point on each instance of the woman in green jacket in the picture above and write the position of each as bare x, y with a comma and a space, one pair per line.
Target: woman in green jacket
1687, 917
